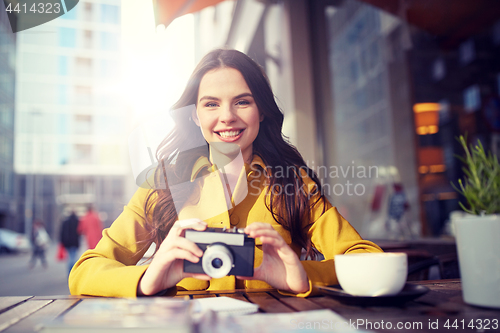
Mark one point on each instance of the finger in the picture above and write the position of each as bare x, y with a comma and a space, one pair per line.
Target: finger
179, 243
254, 227
257, 226
265, 232
198, 276
187, 245
272, 241
183, 255
257, 275
245, 278
187, 223
180, 226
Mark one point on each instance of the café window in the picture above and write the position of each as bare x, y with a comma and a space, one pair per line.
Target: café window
110, 14
27, 153
467, 52
438, 69
76, 186
67, 37
62, 65
4, 147
47, 154
498, 84
83, 95
3, 182
83, 124
87, 39
87, 11
83, 66
62, 94
110, 41
6, 116
71, 14
82, 154
63, 153
496, 33
444, 111
117, 187
472, 98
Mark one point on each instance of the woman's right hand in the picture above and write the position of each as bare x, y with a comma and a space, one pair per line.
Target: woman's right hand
166, 268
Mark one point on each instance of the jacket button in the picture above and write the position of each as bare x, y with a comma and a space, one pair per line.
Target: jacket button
235, 220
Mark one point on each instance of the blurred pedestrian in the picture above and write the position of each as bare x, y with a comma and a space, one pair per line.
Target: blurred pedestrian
91, 226
398, 205
70, 238
40, 241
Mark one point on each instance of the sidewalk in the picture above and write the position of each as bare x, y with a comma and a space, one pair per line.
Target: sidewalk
17, 279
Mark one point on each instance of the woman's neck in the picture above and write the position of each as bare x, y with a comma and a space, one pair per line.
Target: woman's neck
229, 160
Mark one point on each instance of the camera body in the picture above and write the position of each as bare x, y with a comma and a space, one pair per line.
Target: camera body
225, 252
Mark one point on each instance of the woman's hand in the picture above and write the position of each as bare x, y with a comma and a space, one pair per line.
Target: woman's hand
280, 266
166, 268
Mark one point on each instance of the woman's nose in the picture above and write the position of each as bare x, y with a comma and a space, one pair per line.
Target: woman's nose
227, 114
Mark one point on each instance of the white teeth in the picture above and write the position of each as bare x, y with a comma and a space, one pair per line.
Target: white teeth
229, 134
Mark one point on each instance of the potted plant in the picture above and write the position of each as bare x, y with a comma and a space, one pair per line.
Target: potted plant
478, 232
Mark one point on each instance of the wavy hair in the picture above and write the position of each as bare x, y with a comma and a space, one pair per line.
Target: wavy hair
271, 145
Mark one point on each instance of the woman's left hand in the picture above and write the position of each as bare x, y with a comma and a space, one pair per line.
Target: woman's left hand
280, 267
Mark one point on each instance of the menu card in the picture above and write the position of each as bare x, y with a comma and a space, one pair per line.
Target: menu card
224, 305
124, 315
305, 321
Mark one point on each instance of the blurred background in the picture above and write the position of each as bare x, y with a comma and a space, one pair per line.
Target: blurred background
374, 94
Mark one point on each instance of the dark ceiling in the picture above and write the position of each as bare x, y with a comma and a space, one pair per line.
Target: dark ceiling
450, 20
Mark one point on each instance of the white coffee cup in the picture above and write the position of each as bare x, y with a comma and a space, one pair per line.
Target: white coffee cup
372, 274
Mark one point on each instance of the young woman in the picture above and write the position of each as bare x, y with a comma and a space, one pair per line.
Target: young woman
282, 205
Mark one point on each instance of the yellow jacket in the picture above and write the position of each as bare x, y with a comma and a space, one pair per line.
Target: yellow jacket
110, 269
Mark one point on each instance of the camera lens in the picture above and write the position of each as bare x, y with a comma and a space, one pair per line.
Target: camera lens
217, 260
217, 263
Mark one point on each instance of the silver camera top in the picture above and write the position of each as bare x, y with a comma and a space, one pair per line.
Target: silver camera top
231, 236
234, 230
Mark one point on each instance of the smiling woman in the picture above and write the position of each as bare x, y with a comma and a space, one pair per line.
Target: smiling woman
235, 107
226, 110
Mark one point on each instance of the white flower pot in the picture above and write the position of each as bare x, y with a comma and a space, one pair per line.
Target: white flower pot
478, 246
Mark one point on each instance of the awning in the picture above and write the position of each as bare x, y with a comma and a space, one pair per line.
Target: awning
168, 10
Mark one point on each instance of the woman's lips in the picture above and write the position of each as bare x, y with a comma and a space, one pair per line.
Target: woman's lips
230, 136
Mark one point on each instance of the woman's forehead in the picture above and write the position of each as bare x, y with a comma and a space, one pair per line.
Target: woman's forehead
223, 81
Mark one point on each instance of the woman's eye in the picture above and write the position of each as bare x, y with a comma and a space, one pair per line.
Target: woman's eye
210, 105
242, 102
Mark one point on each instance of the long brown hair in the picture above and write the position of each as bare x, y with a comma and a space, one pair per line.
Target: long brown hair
271, 145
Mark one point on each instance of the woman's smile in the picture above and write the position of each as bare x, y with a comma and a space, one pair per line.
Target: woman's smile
230, 135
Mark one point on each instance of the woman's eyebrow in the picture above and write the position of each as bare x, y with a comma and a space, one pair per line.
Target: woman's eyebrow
243, 95
211, 98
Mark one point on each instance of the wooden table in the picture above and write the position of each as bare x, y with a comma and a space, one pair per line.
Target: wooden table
429, 313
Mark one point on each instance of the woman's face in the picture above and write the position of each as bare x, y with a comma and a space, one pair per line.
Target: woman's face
226, 110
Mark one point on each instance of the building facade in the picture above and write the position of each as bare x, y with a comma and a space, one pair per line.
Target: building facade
7, 120
71, 128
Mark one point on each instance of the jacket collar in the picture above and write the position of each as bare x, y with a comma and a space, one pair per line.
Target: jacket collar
203, 163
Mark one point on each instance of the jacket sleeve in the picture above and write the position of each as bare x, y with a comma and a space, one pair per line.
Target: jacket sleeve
330, 234
110, 269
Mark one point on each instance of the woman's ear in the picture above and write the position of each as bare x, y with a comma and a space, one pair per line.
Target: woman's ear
194, 116
261, 117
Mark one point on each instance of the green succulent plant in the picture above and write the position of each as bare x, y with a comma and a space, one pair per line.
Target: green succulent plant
481, 185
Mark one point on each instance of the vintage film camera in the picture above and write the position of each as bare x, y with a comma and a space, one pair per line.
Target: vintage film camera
226, 252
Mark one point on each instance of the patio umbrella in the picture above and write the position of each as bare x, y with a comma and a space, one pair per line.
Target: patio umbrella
168, 10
